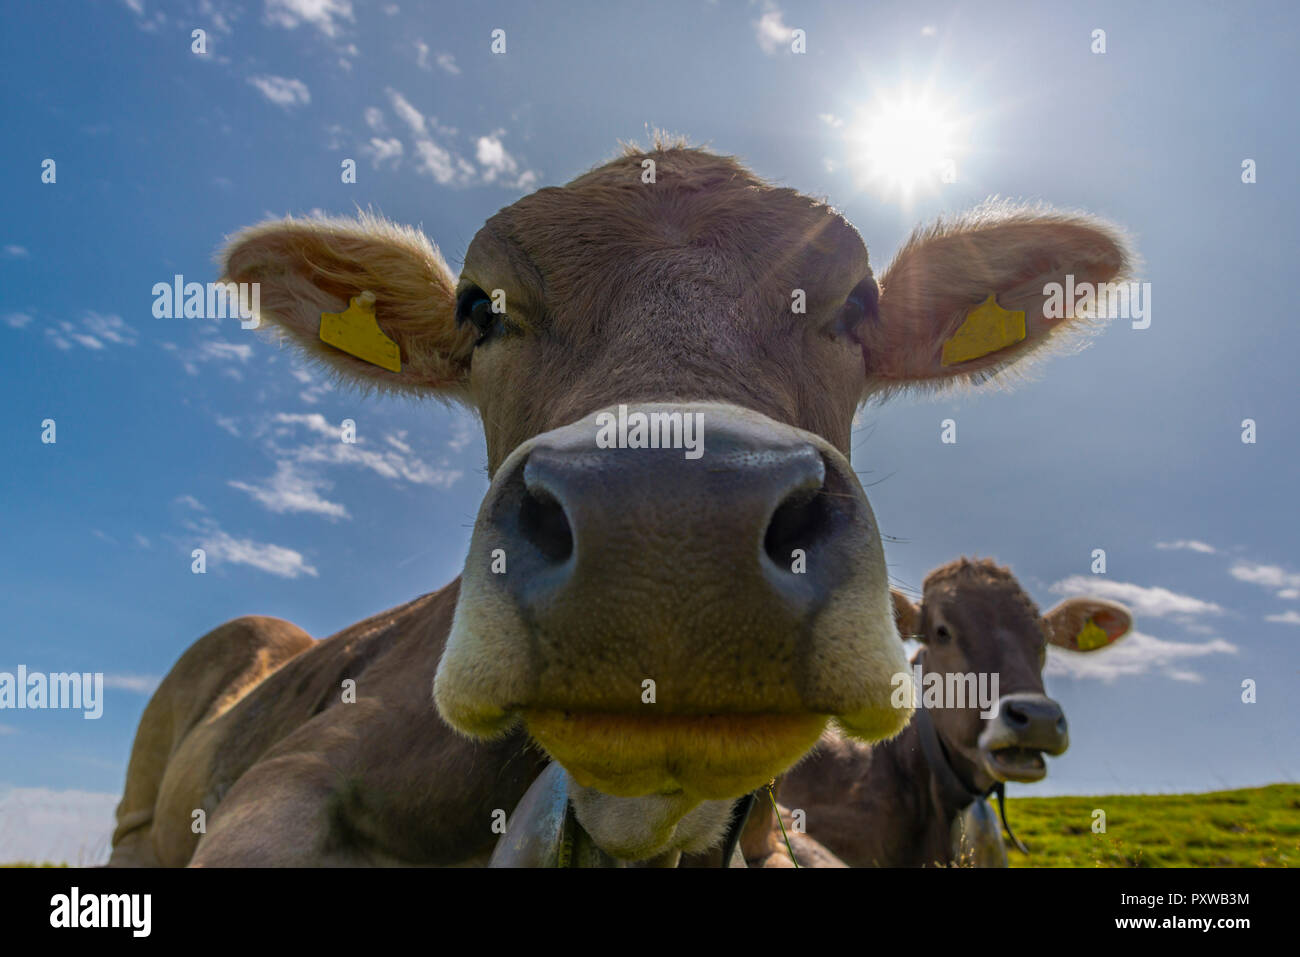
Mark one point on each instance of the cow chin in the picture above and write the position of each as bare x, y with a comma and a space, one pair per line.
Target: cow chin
636, 829
706, 757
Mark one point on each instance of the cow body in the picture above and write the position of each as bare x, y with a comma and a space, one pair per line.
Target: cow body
873, 806
673, 626
378, 780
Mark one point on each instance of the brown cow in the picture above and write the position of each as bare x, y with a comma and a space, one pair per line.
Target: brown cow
673, 628
911, 801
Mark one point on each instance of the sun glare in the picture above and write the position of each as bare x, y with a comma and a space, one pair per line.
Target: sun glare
903, 143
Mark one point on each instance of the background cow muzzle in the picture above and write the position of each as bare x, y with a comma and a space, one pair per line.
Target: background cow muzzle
1026, 727
668, 618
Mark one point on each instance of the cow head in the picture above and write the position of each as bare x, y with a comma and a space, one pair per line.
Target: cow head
975, 619
674, 625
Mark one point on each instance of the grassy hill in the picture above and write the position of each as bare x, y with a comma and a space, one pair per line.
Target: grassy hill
1254, 827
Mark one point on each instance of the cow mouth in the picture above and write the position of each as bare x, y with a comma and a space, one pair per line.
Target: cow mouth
706, 756
1015, 764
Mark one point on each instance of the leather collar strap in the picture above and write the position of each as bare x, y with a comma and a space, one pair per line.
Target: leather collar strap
952, 789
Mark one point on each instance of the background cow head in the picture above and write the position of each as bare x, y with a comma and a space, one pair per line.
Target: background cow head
974, 617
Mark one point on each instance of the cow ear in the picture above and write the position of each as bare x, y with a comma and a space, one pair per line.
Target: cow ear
1086, 624
906, 615
373, 300
966, 298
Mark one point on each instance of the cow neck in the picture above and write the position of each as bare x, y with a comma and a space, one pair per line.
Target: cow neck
953, 789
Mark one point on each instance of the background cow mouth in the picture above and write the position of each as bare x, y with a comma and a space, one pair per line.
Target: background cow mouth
1014, 764
709, 757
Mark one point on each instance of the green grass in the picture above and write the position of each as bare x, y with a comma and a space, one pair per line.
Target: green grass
32, 864
1254, 827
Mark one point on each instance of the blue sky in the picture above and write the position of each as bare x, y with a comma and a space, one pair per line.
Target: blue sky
175, 432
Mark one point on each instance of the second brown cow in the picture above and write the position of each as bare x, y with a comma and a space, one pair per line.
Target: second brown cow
906, 802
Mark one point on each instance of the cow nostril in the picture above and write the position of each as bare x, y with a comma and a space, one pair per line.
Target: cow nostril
1014, 716
544, 524
798, 522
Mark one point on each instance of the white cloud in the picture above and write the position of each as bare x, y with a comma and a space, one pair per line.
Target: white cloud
313, 421
422, 55
283, 91
191, 502
772, 32
1185, 544
447, 62
66, 334
274, 559
383, 150
1270, 576
291, 491
375, 119
1289, 617
141, 540
324, 15
438, 162
218, 18
221, 351
211, 350
109, 328
149, 24
1289, 593
330, 450
139, 684
1136, 654
1149, 602
15, 252
44, 825
494, 159
442, 162
93, 333
831, 120
497, 162
406, 112
463, 433
17, 320
229, 424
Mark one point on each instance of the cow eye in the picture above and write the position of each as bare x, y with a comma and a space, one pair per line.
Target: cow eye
942, 633
474, 306
862, 305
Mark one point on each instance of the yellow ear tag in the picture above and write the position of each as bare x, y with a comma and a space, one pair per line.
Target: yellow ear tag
988, 328
356, 332
1091, 636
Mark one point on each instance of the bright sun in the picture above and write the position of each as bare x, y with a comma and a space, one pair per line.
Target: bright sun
903, 142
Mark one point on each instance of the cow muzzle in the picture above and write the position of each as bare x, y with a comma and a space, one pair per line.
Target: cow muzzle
1013, 742
674, 598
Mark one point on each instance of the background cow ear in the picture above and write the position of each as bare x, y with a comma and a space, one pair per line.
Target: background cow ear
907, 616
1086, 624
996, 259
405, 340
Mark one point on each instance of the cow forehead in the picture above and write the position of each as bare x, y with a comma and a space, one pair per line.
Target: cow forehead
703, 216
990, 607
